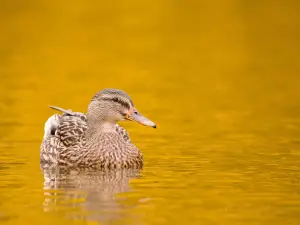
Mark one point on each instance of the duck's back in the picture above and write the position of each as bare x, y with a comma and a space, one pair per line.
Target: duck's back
71, 129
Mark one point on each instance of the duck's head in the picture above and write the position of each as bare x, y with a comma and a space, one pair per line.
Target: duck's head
112, 105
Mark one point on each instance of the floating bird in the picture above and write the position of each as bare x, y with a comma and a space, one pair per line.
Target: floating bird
93, 140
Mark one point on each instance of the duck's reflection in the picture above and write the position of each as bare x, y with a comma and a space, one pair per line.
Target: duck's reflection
87, 195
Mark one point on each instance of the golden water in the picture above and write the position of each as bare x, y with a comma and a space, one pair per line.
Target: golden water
220, 79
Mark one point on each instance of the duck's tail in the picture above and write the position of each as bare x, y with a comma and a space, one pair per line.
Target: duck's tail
54, 120
51, 125
67, 111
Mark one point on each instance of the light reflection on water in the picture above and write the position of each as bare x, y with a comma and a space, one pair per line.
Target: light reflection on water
88, 195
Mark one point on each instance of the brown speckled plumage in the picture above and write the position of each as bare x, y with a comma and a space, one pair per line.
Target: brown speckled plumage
93, 140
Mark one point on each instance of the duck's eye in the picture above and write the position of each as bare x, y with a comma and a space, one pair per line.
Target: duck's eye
123, 114
136, 112
115, 99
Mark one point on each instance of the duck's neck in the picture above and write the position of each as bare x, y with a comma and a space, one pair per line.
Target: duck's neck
98, 123
95, 129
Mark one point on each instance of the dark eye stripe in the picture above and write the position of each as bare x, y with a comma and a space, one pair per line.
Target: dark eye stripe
117, 100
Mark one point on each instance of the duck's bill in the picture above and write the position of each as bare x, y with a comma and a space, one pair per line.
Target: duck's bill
139, 118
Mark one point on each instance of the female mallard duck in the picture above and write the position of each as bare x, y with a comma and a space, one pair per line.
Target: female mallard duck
93, 140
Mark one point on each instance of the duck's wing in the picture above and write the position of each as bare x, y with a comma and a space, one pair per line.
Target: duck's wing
71, 128
61, 132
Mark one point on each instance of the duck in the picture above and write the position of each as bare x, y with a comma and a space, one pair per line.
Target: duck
93, 139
